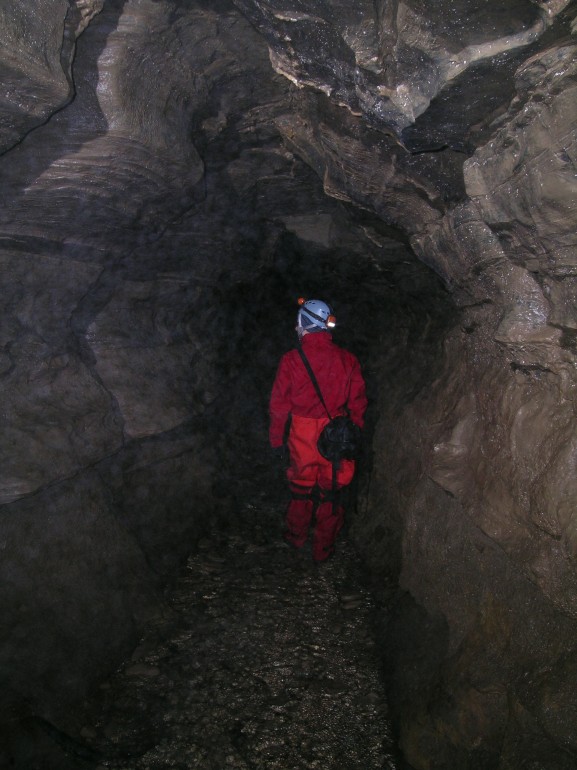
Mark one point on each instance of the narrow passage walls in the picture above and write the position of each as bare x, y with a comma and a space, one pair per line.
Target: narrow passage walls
174, 174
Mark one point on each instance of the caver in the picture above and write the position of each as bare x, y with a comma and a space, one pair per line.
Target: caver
315, 490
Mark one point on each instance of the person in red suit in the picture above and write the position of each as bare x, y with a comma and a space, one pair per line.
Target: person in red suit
293, 396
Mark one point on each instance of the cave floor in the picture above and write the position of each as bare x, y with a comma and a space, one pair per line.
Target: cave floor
265, 661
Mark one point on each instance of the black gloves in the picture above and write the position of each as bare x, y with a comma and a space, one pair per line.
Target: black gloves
280, 453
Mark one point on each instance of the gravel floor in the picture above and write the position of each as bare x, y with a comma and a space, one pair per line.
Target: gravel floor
267, 662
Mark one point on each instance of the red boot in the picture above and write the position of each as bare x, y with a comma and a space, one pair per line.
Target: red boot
329, 523
298, 519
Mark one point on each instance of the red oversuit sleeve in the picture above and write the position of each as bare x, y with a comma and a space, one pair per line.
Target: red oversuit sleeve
357, 401
280, 403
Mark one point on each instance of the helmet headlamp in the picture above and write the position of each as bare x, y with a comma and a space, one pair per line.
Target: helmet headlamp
318, 312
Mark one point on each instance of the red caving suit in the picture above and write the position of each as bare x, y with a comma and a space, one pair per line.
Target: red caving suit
293, 395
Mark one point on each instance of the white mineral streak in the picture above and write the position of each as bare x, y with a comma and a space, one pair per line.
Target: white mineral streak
413, 102
553, 8
362, 39
474, 53
88, 10
295, 16
403, 99
282, 65
410, 99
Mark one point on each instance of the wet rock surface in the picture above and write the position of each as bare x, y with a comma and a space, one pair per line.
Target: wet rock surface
265, 660
174, 173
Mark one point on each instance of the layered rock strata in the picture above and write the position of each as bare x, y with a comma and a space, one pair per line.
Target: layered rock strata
173, 175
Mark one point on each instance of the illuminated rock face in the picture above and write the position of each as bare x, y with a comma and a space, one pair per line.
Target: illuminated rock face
173, 175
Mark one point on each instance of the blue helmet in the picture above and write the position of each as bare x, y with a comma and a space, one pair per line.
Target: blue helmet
315, 316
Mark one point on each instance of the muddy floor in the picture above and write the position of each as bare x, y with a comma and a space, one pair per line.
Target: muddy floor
265, 661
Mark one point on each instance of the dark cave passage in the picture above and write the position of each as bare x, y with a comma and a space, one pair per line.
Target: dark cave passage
393, 317
255, 658
174, 175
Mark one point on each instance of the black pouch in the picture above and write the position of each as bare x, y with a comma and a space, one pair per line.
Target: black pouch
340, 439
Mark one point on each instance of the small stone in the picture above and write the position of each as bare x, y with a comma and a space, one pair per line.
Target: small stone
353, 596
142, 669
373, 698
352, 604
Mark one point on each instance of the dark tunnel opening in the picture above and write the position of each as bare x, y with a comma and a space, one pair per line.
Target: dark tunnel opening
393, 318
393, 313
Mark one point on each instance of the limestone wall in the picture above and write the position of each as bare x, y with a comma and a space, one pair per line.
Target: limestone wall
173, 175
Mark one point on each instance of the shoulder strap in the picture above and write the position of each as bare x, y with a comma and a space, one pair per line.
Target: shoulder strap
313, 378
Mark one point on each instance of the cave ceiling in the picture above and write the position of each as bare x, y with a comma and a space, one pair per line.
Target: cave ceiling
119, 117
192, 140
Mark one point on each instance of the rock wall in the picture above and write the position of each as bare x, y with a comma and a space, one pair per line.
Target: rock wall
112, 386
173, 175
482, 488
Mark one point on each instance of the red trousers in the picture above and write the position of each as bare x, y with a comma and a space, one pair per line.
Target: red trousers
309, 471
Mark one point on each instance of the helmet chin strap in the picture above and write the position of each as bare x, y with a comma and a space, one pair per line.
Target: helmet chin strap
301, 332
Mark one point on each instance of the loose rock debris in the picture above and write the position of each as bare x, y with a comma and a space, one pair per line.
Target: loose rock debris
268, 663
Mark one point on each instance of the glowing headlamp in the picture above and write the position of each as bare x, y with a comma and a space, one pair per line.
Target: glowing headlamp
331, 321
